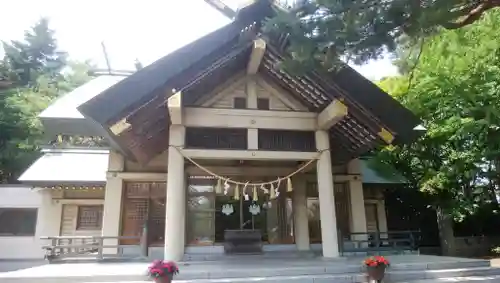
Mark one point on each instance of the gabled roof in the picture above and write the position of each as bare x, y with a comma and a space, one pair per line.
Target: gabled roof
202, 65
68, 166
137, 89
63, 117
371, 175
66, 106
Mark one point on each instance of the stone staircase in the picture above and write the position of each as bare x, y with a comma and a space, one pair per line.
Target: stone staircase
415, 269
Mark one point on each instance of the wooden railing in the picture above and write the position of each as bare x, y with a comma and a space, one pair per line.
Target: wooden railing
91, 247
392, 241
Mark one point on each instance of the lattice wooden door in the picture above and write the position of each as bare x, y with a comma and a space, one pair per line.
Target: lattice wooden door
135, 216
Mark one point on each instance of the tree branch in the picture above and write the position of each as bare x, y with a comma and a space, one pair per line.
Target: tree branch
474, 15
221, 7
412, 72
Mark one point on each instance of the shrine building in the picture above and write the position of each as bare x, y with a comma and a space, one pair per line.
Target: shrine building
214, 141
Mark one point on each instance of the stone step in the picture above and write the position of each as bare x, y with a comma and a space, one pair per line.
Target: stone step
471, 279
465, 279
392, 276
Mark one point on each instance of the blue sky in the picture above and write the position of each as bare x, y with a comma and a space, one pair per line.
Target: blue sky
145, 29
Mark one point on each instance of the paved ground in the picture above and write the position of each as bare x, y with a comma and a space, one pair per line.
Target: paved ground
495, 262
233, 264
13, 265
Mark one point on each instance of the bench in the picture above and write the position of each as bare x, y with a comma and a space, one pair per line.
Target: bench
375, 242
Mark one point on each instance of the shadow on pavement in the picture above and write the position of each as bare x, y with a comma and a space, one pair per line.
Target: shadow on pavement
13, 265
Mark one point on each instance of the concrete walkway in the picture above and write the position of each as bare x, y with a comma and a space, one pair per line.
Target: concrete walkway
13, 265
232, 265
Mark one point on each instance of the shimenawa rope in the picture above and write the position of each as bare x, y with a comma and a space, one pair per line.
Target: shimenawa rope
228, 180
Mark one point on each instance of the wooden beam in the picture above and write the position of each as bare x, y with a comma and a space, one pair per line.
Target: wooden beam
251, 119
273, 171
386, 136
242, 170
138, 176
248, 154
120, 127
332, 114
259, 48
221, 7
174, 104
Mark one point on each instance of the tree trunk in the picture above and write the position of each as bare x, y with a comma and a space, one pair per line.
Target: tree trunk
446, 237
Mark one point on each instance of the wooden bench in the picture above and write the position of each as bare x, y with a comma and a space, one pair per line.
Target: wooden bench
392, 241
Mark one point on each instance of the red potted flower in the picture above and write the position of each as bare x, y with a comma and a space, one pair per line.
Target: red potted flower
375, 267
162, 271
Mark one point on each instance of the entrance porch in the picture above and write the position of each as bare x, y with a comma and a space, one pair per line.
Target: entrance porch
291, 199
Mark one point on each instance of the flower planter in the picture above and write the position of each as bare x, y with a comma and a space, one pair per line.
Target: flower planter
376, 273
162, 271
164, 279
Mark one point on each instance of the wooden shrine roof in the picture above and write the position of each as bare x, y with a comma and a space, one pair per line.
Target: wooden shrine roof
68, 166
206, 63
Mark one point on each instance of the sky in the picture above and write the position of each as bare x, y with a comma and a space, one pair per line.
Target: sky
145, 29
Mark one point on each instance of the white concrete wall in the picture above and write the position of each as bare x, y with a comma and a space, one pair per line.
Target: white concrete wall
19, 247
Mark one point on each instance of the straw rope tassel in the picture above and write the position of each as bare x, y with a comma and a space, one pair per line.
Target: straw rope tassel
255, 194
237, 192
218, 187
272, 193
289, 185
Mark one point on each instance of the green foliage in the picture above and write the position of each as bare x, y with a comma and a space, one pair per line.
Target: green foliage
40, 74
36, 55
455, 92
496, 250
322, 31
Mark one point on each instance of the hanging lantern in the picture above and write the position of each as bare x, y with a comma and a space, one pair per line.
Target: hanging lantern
218, 187
289, 186
237, 192
255, 194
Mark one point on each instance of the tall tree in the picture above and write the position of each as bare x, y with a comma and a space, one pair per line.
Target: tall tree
35, 55
326, 31
33, 69
455, 91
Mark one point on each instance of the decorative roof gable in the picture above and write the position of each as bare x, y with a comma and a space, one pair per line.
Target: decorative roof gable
137, 106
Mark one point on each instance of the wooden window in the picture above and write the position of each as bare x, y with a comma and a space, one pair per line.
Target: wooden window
286, 140
89, 217
240, 103
263, 103
216, 138
18, 221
